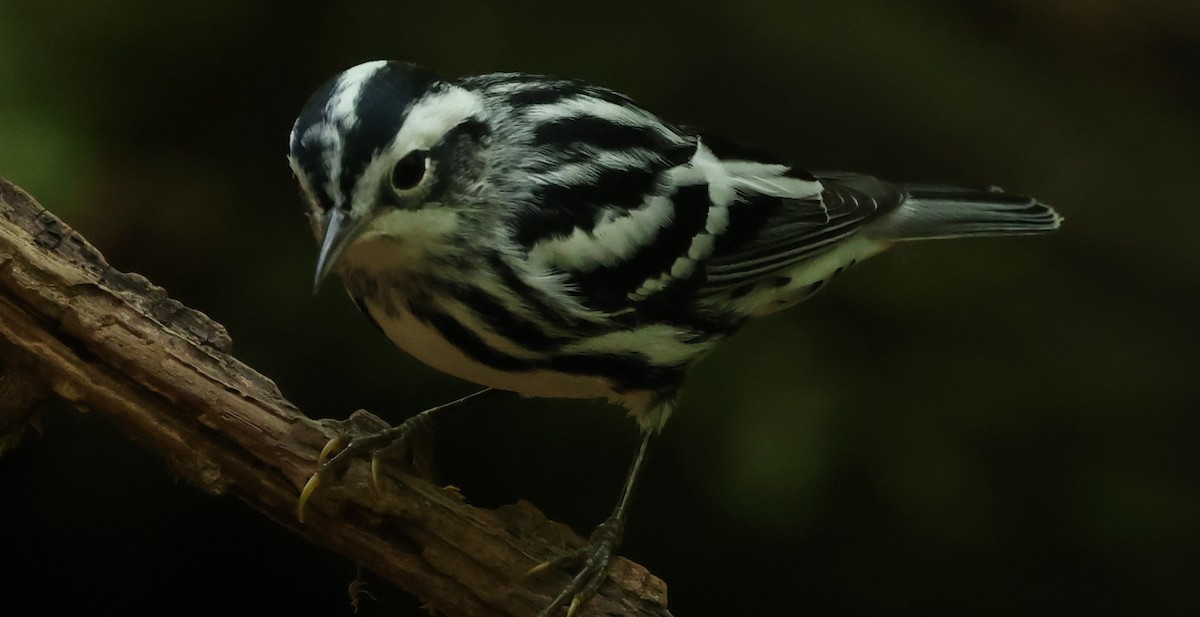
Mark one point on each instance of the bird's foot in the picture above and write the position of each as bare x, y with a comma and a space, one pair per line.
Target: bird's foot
593, 560
361, 435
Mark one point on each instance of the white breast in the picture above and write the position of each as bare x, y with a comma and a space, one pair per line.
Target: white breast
425, 343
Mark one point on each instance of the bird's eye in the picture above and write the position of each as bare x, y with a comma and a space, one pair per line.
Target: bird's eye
410, 170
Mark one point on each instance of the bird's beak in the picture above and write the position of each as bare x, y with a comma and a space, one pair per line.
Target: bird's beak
339, 232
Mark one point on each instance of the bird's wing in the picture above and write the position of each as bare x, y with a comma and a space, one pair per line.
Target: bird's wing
711, 217
772, 230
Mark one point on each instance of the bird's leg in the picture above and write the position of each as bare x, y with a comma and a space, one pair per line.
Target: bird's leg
595, 558
389, 443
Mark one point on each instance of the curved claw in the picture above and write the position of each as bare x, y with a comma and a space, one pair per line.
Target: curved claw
341, 448
375, 458
589, 590
538, 569
573, 592
335, 443
309, 488
596, 558
561, 561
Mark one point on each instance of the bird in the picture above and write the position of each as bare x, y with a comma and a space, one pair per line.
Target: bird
553, 238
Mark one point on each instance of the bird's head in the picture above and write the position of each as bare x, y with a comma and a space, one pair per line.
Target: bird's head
385, 153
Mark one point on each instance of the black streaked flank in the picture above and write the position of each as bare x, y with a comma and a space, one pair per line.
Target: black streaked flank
628, 372
536, 298
539, 303
502, 321
467, 341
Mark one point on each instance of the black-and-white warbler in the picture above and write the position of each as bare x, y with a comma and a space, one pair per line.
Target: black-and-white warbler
552, 238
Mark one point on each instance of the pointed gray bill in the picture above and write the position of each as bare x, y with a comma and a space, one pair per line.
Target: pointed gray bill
339, 232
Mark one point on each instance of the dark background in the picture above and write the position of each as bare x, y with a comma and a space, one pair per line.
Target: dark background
990, 427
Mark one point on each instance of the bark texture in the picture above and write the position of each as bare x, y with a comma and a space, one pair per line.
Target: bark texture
72, 327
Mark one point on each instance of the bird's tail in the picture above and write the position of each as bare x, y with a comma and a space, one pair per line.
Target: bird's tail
951, 212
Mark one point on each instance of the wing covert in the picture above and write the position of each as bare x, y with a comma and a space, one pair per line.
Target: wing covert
705, 225
780, 232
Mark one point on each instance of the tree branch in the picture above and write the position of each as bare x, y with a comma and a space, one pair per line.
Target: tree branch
73, 327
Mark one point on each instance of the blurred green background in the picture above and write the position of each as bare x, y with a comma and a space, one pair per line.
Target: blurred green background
990, 427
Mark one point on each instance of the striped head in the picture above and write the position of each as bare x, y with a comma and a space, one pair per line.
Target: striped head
379, 150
